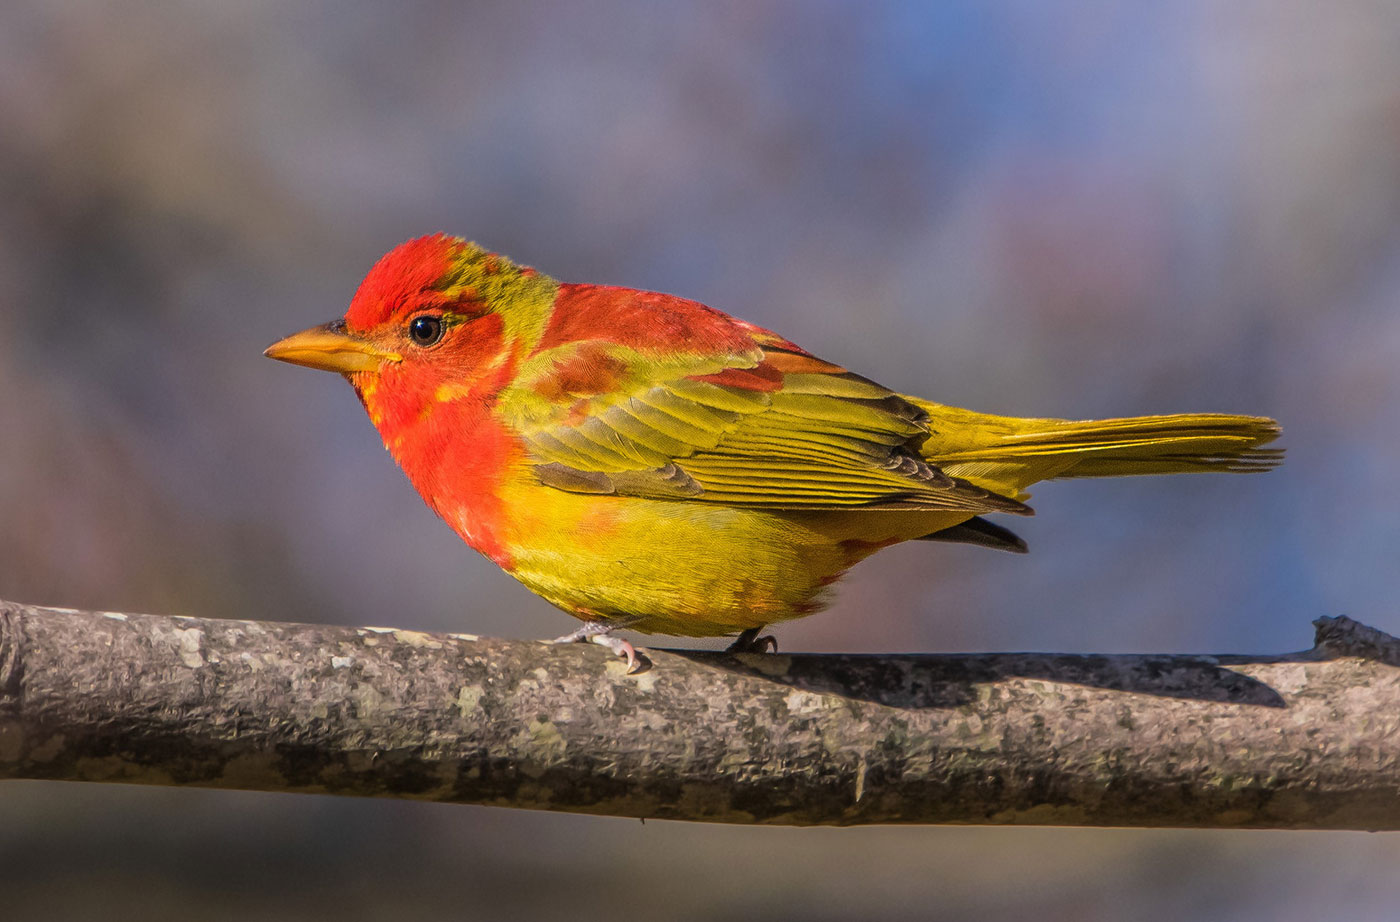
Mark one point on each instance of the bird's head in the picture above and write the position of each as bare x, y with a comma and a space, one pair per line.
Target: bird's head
437, 319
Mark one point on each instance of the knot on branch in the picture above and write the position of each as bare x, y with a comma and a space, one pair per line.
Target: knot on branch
9, 653
1341, 636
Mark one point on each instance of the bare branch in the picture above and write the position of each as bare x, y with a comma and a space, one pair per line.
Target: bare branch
1307, 740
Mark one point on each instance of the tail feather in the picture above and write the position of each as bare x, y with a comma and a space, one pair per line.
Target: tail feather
1179, 444
1008, 454
978, 530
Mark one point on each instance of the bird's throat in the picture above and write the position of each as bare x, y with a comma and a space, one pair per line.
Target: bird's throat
454, 451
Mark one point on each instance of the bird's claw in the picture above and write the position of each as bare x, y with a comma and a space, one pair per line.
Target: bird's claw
600, 633
620, 648
750, 641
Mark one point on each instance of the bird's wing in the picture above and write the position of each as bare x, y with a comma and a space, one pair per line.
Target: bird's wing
757, 422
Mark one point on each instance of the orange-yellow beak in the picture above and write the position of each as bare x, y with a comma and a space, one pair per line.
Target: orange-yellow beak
330, 348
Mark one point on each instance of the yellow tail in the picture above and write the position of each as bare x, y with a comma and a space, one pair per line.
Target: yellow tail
1006, 454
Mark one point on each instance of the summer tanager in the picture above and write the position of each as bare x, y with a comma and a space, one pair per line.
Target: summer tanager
643, 461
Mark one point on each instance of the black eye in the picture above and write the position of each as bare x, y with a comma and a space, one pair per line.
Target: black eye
425, 330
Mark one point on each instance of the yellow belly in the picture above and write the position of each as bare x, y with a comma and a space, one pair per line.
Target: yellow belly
692, 569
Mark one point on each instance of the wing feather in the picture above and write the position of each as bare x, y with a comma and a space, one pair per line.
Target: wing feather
769, 427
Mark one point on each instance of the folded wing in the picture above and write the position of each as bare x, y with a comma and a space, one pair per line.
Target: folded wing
765, 426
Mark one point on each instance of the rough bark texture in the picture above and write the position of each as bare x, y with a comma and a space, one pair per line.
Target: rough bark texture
1307, 740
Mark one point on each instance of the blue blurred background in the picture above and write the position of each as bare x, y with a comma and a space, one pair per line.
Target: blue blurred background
1098, 208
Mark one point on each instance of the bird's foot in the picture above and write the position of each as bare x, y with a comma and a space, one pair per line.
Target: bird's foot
750, 641
600, 632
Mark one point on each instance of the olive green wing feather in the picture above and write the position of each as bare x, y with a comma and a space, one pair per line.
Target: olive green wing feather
769, 427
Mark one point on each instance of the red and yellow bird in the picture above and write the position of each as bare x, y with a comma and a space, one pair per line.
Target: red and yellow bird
643, 461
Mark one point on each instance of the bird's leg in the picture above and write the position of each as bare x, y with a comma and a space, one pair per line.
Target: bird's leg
600, 632
749, 641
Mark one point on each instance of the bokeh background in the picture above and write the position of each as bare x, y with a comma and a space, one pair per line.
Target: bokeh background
1096, 208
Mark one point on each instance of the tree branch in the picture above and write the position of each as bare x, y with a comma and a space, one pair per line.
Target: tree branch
1306, 740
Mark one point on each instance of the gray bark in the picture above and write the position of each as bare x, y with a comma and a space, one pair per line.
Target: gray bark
1305, 740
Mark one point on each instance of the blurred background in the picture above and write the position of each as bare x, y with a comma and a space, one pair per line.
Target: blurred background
1099, 208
